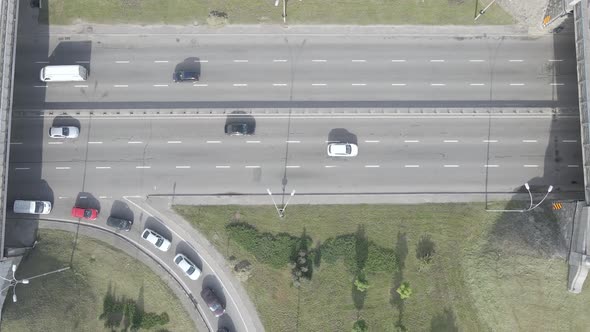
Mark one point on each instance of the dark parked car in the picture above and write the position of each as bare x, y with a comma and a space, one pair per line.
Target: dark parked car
120, 224
184, 76
212, 302
238, 129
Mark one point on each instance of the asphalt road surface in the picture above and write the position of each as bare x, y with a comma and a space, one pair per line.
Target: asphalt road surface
115, 157
363, 71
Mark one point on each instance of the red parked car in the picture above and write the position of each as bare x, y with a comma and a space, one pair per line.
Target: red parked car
88, 214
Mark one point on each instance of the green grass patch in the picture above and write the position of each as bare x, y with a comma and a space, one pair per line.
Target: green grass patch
468, 269
367, 12
103, 282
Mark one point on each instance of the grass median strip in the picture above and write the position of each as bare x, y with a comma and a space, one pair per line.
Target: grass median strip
438, 267
457, 12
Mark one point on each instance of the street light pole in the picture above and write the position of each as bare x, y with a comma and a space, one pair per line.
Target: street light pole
531, 207
483, 11
13, 282
279, 211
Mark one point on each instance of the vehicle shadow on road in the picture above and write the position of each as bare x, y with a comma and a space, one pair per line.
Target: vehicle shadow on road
342, 135
160, 228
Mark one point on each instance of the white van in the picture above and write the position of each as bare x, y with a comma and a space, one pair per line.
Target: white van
31, 207
63, 74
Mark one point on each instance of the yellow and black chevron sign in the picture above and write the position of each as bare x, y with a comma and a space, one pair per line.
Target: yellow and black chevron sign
557, 206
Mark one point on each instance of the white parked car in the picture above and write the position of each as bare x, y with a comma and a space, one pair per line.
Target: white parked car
342, 150
156, 239
187, 266
64, 132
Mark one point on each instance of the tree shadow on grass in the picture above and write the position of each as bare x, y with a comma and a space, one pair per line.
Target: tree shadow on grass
401, 250
444, 322
425, 249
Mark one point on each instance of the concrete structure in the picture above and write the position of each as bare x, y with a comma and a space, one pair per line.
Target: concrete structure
8, 28
579, 261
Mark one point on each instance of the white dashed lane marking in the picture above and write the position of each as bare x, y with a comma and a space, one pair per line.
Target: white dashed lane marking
411, 141
372, 166
161, 61
319, 60
293, 166
201, 60
103, 167
80, 86
240, 84
143, 167
134, 142
555, 60
451, 166
184, 167
121, 86
41, 61
398, 84
279, 84
411, 166
94, 142
160, 85
252, 142
16, 143
213, 142
556, 84
318, 84
476, 84
279, 60
516, 84
398, 60
252, 166
570, 141
62, 167
359, 60
240, 61
530, 166
56, 142
451, 141
359, 84
200, 84
437, 84
529, 141
174, 142
122, 61
515, 60
491, 166
490, 141
374, 141
22, 168
476, 60
437, 60
330, 166
573, 166
292, 141
222, 166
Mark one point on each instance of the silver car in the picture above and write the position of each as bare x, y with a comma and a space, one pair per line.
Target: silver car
64, 132
187, 266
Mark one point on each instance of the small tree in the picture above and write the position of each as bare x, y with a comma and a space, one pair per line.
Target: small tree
361, 282
360, 326
404, 290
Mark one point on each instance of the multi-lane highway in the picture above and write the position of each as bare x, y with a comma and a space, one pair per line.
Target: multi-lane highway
363, 71
133, 156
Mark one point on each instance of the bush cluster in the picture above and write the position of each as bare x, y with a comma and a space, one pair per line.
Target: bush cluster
275, 250
379, 259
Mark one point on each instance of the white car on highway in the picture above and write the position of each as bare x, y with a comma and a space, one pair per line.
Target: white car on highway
342, 150
64, 132
187, 266
156, 239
